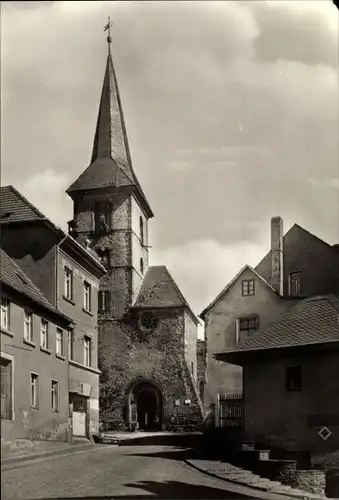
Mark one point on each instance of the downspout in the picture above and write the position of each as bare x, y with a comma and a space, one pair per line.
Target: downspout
69, 406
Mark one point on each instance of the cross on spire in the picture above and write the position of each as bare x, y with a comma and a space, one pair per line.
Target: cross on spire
108, 27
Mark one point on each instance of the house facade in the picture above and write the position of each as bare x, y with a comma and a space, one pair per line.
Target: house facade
68, 276
298, 265
147, 331
34, 368
291, 377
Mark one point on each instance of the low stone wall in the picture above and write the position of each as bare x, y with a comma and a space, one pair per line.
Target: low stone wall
312, 481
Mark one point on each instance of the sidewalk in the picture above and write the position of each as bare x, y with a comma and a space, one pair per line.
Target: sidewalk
228, 472
22, 450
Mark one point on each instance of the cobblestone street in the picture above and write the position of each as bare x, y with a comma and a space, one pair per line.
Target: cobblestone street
117, 472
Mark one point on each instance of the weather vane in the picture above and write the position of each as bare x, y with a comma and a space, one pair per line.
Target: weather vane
108, 27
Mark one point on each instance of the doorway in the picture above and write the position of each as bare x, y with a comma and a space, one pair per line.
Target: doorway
148, 408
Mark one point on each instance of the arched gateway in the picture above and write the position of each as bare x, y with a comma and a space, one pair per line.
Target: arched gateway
145, 405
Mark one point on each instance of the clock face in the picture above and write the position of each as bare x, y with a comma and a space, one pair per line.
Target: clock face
148, 321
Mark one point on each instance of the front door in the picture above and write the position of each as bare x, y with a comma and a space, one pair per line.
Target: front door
79, 417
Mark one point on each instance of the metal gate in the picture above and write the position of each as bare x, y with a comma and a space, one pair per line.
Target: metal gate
230, 410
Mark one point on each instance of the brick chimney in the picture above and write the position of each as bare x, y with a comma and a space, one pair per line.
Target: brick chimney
277, 275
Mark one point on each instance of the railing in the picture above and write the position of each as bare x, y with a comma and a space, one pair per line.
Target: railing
230, 411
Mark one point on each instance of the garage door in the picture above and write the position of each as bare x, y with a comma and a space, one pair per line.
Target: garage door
79, 423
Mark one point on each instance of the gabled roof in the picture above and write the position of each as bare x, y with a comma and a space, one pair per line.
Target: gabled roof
228, 286
314, 320
13, 276
15, 208
264, 266
159, 290
19, 209
111, 164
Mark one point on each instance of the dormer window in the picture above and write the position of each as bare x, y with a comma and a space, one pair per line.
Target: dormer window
247, 288
141, 223
294, 284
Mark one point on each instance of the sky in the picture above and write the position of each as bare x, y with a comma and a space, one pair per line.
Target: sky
231, 111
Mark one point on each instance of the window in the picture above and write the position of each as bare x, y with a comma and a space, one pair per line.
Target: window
247, 287
44, 334
87, 296
70, 344
141, 222
34, 390
103, 215
246, 327
28, 322
59, 347
201, 389
103, 300
104, 257
4, 314
55, 395
87, 351
6, 389
68, 283
293, 378
295, 284
141, 265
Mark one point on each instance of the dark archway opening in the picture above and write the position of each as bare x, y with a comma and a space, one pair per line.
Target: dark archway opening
148, 406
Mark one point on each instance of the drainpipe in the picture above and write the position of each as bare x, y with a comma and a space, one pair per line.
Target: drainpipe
69, 405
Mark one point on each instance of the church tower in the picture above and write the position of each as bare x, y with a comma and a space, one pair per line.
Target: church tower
147, 331
111, 212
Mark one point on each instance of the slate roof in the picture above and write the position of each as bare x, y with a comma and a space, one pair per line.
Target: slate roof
16, 208
228, 286
314, 320
111, 164
159, 290
13, 276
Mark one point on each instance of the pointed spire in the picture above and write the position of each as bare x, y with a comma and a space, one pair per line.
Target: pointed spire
111, 163
110, 138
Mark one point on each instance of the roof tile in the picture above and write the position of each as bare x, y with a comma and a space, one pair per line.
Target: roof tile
12, 275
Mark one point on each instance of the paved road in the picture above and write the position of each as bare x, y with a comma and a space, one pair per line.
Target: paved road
128, 472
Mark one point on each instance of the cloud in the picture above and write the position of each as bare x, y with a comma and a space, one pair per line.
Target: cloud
203, 268
47, 192
326, 183
297, 31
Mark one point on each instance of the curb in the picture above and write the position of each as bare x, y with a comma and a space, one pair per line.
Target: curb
47, 454
285, 496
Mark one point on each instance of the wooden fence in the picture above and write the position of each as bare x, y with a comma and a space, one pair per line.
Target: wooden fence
230, 411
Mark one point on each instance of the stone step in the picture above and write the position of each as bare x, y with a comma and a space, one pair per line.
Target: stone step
281, 488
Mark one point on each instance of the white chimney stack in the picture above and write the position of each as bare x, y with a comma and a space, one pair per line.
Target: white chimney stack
277, 233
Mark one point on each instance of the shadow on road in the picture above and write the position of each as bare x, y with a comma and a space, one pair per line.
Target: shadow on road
166, 490
167, 454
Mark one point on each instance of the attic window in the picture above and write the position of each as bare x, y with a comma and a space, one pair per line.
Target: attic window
295, 284
247, 288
